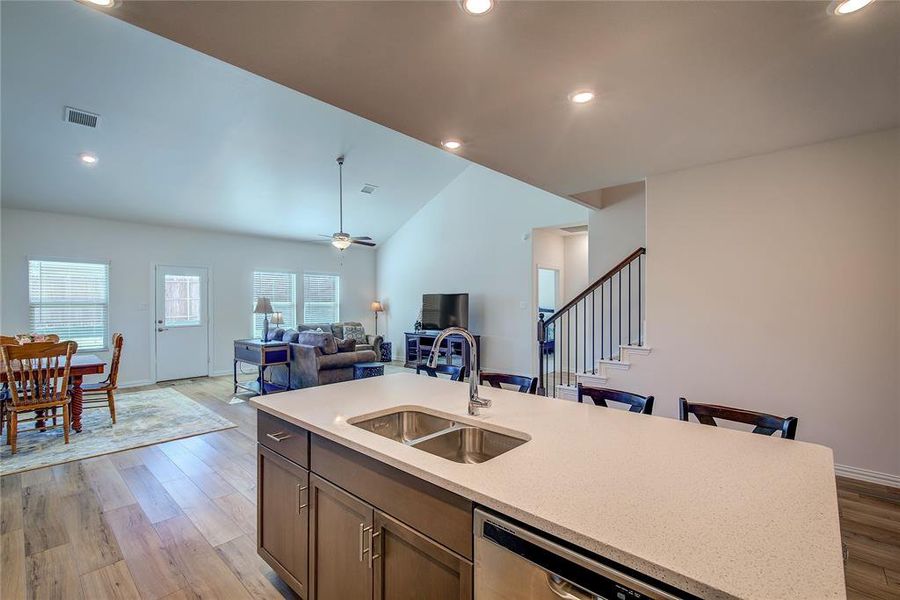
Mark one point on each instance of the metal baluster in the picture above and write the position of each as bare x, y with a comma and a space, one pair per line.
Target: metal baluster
575, 337
620, 310
602, 315
593, 334
555, 357
610, 317
629, 304
640, 321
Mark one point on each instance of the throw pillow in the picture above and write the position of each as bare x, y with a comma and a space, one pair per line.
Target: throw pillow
346, 345
324, 341
275, 334
290, 336
355, 332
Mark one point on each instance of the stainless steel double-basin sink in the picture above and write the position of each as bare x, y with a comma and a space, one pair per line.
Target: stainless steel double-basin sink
447, 438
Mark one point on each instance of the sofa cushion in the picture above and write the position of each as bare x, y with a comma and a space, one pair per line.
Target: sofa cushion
337, 361
324, 341
274, 335
326, 327
347, 345
290, 336
355, 332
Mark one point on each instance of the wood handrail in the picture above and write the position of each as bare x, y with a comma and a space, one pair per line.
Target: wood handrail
609, 275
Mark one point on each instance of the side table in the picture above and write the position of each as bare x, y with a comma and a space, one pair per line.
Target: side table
387, 352
261, 355
367, 369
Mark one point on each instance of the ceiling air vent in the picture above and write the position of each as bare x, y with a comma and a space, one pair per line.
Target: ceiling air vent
81, 117
369, 188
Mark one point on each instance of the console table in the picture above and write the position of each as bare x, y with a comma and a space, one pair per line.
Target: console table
261, 355
453, 351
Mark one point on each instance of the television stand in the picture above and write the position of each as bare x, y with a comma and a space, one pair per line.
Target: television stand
454, 349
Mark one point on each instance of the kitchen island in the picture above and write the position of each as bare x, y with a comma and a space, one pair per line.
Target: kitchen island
710, 512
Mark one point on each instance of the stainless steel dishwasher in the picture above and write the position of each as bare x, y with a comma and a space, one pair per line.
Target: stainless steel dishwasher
513, 563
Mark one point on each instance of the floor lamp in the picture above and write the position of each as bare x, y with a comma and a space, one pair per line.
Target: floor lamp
377, 308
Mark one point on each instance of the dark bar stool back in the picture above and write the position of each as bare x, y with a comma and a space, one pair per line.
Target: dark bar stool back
600, 396
763, 423
455, 373
526, 385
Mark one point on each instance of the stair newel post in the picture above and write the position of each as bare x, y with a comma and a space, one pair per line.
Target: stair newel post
541, 338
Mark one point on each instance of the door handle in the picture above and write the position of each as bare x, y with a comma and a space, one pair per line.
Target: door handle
362, 534
162, 329
564, 589
372, 555
278, 436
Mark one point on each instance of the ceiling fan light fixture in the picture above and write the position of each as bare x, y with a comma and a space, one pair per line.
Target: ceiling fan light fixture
341, 241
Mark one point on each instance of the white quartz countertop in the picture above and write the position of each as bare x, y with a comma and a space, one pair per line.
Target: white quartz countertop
715, 512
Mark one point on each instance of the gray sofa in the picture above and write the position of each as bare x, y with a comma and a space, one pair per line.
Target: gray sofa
311, 366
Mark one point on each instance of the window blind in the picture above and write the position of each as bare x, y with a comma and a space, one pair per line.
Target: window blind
321, 298
70, 299
281, 290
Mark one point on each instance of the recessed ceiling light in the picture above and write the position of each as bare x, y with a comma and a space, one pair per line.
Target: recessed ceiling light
88, 158
103, 3
581, 96
451, 144
845, 7
477, 7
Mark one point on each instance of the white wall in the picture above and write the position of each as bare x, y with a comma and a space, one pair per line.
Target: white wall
475, 237
576, 252
773, 283
617, 229
133, 249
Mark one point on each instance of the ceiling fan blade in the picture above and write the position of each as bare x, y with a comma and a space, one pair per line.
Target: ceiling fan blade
323, 235
364, 238
361, 243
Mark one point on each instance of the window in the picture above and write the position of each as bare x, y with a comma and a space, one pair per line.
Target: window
321, 298
281, 290
70, 299
182, 308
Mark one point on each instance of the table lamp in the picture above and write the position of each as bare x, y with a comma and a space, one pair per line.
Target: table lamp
263, 307
376, 308
277, 319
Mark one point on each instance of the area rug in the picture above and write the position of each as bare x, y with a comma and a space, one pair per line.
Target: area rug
142, 418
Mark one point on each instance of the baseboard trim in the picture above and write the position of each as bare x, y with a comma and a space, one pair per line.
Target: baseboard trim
134, 384
867, 475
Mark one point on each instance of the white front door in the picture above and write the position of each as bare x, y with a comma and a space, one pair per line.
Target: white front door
182, 323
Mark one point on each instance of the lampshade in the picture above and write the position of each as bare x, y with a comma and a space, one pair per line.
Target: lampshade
263, 306
376, 307
277, 319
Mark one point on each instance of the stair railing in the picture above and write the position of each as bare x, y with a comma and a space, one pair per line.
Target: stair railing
592, 325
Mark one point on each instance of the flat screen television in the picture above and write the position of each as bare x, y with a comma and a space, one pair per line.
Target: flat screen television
440, 311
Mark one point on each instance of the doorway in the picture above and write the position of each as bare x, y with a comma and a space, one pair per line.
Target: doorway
182, 322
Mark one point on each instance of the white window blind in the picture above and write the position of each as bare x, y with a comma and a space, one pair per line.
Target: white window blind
70, 299
281, 290
321, 298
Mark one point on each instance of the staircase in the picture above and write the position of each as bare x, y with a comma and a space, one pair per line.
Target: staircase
597, 331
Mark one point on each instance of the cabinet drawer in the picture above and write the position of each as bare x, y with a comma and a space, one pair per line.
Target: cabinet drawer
250, 353
285, 438
441, 515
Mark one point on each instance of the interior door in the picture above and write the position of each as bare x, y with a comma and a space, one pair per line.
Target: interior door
182, 323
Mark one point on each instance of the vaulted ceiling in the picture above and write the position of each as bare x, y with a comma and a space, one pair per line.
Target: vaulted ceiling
678, 83
185, 139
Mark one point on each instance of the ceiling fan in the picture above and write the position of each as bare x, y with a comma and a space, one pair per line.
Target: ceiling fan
341, 240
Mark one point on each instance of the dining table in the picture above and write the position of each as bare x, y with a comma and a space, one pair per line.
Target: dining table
82, 365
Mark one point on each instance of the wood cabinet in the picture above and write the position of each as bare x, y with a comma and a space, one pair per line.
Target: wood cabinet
283, 517
340, 534
409, 566
354, 528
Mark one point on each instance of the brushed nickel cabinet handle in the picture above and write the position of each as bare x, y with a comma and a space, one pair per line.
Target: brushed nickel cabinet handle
278, 436
301, 505
362, 532
372, 555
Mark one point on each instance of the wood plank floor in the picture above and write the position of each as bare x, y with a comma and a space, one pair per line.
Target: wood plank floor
177, 520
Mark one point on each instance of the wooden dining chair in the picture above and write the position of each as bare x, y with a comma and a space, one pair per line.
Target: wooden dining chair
763, 423
455, 373
600, 396
25, 338
103, 393
40, 371
5, 340
8, 340
523, 383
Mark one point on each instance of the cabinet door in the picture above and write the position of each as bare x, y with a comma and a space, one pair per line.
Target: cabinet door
283, 517
340, 533
409, 566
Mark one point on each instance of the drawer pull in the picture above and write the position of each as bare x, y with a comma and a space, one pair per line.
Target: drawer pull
278, 436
